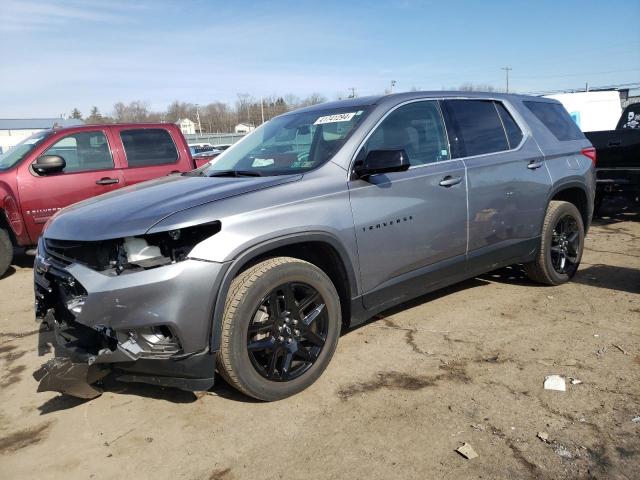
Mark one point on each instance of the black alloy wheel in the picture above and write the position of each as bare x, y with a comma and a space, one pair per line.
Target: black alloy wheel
287, 332
565, 245
280, 328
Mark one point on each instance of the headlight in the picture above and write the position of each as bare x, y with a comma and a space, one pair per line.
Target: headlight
162, 248
138, 250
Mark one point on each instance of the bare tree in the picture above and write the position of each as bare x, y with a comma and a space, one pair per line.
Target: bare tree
480, 87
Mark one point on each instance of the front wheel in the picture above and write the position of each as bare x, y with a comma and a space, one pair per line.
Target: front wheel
561, 245
280, 328
6, 251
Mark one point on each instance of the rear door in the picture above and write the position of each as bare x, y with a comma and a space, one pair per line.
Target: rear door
90, 170
148, 152
409, 222
508, 185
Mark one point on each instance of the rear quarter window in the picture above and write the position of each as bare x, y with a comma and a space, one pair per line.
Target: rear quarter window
556, 119
149, 146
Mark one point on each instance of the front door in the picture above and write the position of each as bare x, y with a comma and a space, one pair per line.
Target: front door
89, 171
409, 222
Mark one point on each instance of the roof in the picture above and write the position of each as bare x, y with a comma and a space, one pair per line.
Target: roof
400, 97
37, 123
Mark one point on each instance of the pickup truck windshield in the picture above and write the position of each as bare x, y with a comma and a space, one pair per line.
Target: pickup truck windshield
293, 143
14, 155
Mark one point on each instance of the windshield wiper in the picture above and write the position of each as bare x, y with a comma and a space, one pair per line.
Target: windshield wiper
235, 173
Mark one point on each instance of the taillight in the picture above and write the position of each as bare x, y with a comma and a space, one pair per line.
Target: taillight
590, 153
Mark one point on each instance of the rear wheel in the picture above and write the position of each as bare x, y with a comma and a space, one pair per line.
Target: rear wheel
6, 251
280, 328
561, 245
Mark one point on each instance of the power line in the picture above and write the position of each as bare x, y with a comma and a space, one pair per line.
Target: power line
581, 74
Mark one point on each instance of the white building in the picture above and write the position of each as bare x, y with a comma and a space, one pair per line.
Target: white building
14, 130
244, 128
186, 126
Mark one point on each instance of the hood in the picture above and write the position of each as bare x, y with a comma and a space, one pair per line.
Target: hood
134, 210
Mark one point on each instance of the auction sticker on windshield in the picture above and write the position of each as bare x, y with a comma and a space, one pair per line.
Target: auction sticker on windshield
338, 117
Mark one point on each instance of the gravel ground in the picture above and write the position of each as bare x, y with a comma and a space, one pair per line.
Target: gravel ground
465, 364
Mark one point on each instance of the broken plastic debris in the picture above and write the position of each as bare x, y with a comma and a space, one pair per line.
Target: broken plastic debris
575, 381
544, 436
467, 451
636, 419
555, 382
62, 375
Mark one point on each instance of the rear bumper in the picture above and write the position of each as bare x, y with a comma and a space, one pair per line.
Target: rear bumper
151, 326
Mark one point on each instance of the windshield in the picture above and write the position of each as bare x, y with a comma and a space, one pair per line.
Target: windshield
15, 154
292, 143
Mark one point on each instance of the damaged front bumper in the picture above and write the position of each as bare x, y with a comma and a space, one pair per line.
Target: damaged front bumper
150, 326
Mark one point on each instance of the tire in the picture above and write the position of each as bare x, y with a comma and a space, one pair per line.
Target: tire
260, 296
6, 251
544, 269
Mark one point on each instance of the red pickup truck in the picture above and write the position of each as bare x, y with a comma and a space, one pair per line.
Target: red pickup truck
58, 167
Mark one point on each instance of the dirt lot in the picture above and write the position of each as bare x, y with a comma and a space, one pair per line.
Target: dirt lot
403, 392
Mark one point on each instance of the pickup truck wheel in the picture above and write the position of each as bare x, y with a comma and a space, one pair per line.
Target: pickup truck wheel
280, 328
6, 251
561, 245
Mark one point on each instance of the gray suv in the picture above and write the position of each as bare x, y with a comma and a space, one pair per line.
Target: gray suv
320, 218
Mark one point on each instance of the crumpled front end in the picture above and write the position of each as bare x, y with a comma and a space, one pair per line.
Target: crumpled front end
146, 323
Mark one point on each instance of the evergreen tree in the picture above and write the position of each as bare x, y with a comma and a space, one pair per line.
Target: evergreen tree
95, 116
75, 113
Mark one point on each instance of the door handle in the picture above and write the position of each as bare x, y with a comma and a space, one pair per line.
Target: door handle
533, 165
450, 181
107, 181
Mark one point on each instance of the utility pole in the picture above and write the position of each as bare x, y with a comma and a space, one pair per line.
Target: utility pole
198, 117
507, 69
353, 92
262, 109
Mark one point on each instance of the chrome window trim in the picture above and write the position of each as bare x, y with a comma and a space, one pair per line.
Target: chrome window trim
526, 132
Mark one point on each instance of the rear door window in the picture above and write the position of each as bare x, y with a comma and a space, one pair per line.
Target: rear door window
148, 147
475, 127
83, 151
556, 119
514, 134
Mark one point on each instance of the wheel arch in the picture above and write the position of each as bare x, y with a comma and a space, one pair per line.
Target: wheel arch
319, 248
576, 194
4, 224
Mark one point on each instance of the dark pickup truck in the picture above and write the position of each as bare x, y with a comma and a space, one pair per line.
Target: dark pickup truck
53, 169
618, 154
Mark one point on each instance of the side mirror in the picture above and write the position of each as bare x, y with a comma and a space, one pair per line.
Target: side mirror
382, 161
47, 164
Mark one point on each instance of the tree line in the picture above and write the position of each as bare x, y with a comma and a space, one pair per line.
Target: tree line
214, 117
223, 117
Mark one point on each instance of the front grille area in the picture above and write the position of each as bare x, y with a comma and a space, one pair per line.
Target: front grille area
96, 255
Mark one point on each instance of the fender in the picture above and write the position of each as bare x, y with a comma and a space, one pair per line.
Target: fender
11, 218
572, 183
254, 251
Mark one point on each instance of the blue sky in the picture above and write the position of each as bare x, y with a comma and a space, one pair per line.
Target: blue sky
56, 55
